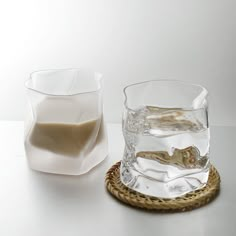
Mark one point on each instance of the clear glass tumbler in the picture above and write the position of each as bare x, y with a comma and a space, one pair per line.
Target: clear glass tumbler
64, 128
166, 132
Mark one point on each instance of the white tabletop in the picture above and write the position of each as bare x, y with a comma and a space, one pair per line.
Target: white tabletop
34, 203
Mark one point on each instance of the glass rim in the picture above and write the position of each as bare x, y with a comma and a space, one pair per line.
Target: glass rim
161, 80
100, 81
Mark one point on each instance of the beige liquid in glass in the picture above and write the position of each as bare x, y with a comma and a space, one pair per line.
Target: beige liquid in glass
65, 139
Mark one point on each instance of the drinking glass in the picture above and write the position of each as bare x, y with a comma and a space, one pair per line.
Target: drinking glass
166, 132
64, 128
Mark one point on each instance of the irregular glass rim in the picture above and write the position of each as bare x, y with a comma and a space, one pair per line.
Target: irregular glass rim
163, 80
100, 81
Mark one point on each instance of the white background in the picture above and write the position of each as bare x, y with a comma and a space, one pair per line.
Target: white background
127, 40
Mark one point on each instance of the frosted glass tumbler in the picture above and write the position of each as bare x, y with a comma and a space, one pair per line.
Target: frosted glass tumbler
64, 127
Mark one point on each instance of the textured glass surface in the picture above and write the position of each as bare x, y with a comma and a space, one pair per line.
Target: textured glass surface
166, 132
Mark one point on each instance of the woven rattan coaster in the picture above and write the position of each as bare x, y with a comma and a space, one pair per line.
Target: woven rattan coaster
187, 202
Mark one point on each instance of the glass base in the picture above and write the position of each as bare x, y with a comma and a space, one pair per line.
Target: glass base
163, 183
47, 162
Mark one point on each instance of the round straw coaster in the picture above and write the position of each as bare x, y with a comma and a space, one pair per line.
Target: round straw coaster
187, 202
